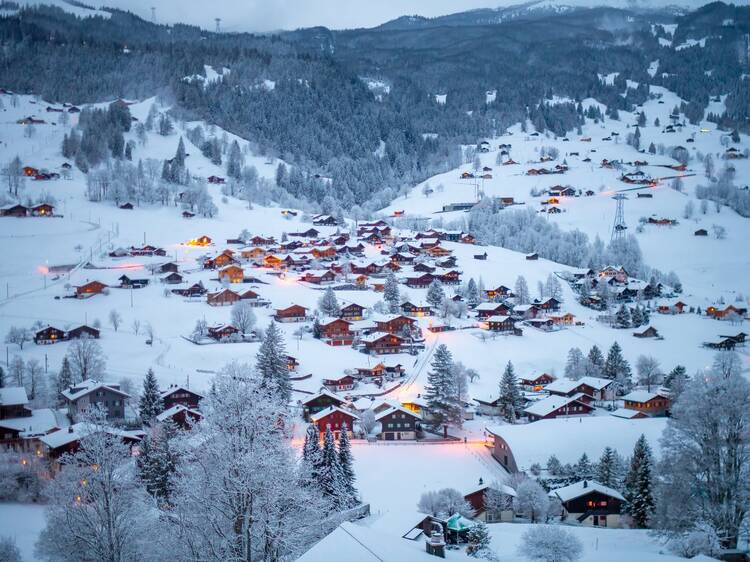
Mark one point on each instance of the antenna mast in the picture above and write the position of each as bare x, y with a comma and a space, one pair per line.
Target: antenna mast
619, 227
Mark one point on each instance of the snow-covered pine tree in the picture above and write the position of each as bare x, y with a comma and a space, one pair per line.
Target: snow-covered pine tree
646, 315
438, 389
675, 381
639, 497
521, 291
391, 294
317, 330
435, 294
479, 540
330, 477
156, 468
347, 468
609, 469
594, 362
552, 288
151, 403
312, 456
622, 318
510, 394
575, 367
636, 317
329, 304
583, 469
472, 293
272, 362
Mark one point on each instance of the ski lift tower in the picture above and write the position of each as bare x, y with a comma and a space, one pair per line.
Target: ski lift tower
619, 227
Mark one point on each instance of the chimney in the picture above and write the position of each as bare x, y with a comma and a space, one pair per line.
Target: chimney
585, 484
70, 429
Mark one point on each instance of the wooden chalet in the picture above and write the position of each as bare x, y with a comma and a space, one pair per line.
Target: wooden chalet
451, 277
318, 277
566, 319
548, 305
232, 274
49, 335
503, 324
337, 332
502, 513
336, 418
90, 289
486, 309
381, 371
536, 383
649, 332
319, 402
126, 206
42, 210
590, 504
195, 290
395, 324
382, 344
172, 279
651, 403
181, 395
420, 282
555, 406
225, 297
593, 388
182, 416
82, 331
83, 396
341, 384
216, 179
14, 211
500, 291
722, 313
701, 232
293, 313
414, 310
222, 331
398, 424
128, 283
352, 312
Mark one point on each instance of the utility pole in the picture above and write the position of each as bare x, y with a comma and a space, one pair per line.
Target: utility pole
46, 364
153, 14
218, 25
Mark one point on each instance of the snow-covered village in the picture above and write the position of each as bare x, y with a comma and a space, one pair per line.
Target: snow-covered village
352, 284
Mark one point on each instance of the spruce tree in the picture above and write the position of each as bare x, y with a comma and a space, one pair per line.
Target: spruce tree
609, 469
330, 476
521, 291
479, 539
613, 363
438, 389
347, 468
472, 293
576, 364
317, 330
312, 456
2, 378
639, 498
391, 294
594, 362
151, 404
622, 318
636, 317
510, 394
435, 294
157, 462
329, 304
272, 362
675, 381
583, 469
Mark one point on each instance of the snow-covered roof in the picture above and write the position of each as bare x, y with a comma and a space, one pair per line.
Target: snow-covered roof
568, 438
642, 396
626, 413
323, 393
497, 318
73, 393
393, 409
173, 389
13, 396
370, 338
330, 410
504, 488
80, 430
176, 409
489, 306
567, 385
578, 489
549, 404
40, 422
350, 541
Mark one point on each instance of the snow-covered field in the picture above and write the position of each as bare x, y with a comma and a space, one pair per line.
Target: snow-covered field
390, 477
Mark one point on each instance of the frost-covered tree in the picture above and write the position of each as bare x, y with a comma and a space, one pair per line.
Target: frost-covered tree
331, 477
675, 382
638, 492
439, 392
435, 294
9, 552
272, 363
472, 293
622, 318
151, 403
727, 363
705, 458
521, 291
328, 304
243, 316
550, 543
617, 368
444, 503
237, 496
553, 288
115, 319
346, 462
575, 367
594, 362
479, 540
649, 371
510, 399
610, 469
391, 294
583, 469
532, 501
97, 510
86, 359
158, 460
18, 336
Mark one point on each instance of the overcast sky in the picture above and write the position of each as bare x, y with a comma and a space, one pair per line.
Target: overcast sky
269, 15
